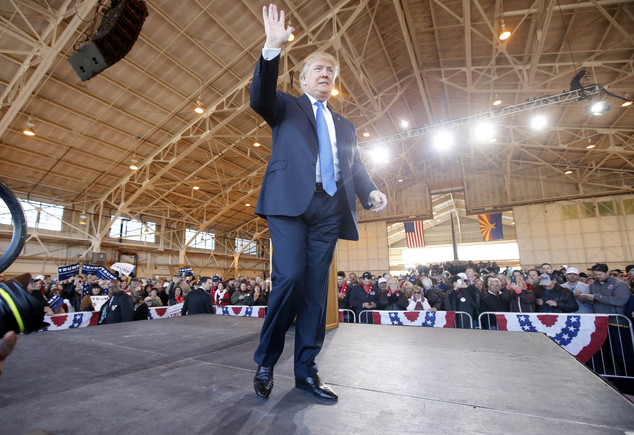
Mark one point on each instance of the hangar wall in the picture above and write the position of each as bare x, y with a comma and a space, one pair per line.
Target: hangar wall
578, 233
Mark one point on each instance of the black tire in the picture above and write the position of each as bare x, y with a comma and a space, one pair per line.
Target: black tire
19, 228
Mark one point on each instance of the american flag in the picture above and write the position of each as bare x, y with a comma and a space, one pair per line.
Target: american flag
414, 234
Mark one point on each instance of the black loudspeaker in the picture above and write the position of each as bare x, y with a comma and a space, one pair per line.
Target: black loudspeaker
117, 33
98, 258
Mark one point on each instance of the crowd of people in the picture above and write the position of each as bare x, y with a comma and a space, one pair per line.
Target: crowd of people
130, 298
473, 291
466, 289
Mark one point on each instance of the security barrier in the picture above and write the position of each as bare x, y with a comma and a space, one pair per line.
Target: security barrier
347, 316
425, 318
604, 342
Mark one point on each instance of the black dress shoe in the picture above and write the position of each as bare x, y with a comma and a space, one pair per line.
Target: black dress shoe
315, 386
263, 381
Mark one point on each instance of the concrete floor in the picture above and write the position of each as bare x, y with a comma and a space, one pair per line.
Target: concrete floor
194, 375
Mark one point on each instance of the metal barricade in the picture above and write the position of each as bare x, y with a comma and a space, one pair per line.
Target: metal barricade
347, 316
615, 359
461, 318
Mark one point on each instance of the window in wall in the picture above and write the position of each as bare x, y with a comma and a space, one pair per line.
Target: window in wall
628, 206
202, 241
588, 209
249, 248
132, 229
606, 208
38, 215
570, 211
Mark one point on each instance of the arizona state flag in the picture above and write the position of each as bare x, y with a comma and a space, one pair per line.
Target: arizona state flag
491, 226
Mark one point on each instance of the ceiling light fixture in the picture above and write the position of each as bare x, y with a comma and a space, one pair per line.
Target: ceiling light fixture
291, 37
484, 132
400, 180
404, 123
443, 140
248, 204
82, 219
133, 165
497, 101
366, 134
598, 108
196, 188
568, 171
590, 145
200, 109
257, 144
28, 131
539, 122
626, 103
334, 92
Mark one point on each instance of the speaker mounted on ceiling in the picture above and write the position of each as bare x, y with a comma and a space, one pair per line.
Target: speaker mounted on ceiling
117, 33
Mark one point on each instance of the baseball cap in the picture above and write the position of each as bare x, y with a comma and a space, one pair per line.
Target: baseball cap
462, 275
572, 270
40, 277
546, 278
382, 280
367, 275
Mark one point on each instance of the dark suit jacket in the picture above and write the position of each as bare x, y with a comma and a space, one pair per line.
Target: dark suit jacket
197, 302
289, 181
120, 309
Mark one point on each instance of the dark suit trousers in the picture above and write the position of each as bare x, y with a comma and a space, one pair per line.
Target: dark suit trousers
303, 248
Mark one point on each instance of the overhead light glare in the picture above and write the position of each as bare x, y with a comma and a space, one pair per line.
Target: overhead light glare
404, 123
257, 144
248, 204
497, 101
82, 219
599, 108
400, 180
590, 146
626, 103
568, 171
366, 134
484, 132
539, 122
196, 188
334, 92
380, 155
443, 140
291, 37
133, 165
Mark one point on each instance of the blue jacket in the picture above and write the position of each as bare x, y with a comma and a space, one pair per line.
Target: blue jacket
289, 181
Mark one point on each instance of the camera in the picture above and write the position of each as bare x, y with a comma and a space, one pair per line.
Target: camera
19, 311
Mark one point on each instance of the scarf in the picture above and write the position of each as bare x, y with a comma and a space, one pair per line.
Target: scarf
367, 289
220, 295
344, 288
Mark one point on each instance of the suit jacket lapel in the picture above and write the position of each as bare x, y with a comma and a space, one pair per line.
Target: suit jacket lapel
304, 103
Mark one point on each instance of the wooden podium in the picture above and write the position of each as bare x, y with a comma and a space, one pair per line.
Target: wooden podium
332, 308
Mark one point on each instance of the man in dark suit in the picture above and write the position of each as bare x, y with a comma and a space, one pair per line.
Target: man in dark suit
118, 308
308, 198
199, 301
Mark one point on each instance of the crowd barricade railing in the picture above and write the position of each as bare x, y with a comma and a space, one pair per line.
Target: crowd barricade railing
604, 342
241, 310
425, 318
347, 316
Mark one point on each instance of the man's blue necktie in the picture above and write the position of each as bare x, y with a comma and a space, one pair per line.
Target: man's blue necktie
326, 161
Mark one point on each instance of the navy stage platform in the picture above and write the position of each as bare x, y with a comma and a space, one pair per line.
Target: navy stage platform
193, 375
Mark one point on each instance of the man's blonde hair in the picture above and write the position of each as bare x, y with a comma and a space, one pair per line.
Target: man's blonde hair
319, 55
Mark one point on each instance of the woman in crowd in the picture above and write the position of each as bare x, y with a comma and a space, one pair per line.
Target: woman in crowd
418, 301
178, 297
396, 298
86, 302
221, 295
140, 308
260, 297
